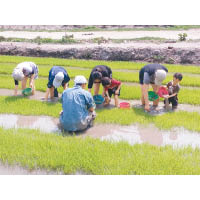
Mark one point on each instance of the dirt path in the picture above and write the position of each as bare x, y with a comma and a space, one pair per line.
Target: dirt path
60, 47
192, 34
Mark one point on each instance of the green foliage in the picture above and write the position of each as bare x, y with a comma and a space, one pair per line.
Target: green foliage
24, 106
182, 36
92, 63
34, 150
99, 40
192, 81
186, 95
68, 39
2, 38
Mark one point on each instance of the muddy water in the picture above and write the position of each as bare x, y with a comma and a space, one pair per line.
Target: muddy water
17, 170
42, 123
134, 134
6, 169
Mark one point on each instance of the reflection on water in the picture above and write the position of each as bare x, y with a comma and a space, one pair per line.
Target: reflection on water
134, 134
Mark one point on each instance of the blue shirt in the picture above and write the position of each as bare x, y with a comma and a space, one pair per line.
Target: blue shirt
75, 103
52, 73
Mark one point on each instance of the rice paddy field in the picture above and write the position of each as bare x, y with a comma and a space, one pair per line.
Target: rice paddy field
33, 149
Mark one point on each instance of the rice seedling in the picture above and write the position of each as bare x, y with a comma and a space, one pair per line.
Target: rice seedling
192, 81
186, 95
34, 150
91, 63
24, 106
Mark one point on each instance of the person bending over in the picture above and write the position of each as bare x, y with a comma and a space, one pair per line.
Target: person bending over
57, 76
96, 76
151, 74
22, 72
111, 87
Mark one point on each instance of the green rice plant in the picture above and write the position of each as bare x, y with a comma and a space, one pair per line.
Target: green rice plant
91, 63
12, 104
188, 120
24, 106
186, 95
193, 81
33, 150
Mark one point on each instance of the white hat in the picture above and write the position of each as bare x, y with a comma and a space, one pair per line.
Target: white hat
27, 70
58, 79
160, 76
80, 79
17, 74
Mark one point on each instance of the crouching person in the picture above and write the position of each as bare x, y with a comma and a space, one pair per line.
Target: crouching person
78, 107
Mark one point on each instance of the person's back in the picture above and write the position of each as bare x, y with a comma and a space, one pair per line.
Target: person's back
75, 102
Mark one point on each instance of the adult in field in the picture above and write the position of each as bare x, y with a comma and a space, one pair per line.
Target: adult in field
98, 72
24, 71
57, 76
78, 107
151, 74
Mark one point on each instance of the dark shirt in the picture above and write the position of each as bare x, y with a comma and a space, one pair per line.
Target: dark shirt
104, 70
172, 89
150, 69
52, 73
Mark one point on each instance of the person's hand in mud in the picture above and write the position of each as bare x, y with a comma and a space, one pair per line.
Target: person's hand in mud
107, 101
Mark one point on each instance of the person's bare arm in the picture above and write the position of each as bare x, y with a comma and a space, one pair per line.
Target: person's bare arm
47, 94
118, 88
65, 86
91, 109
32, 81
169, 96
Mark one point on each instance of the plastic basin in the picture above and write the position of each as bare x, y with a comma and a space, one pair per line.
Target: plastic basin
152, 96
27, 91
162, 91
124, 105
98, 99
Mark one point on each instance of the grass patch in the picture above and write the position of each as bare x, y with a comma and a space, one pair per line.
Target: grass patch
33, 150
122, 76
148, 39
23, 106
94, 28
39, 40
92, 63
188, 96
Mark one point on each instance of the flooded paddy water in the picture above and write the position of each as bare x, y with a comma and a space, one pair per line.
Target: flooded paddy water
133, 134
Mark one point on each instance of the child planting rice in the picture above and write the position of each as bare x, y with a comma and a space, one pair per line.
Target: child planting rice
111, 87
173, 89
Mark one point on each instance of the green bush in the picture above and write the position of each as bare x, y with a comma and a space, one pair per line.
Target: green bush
182, 36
